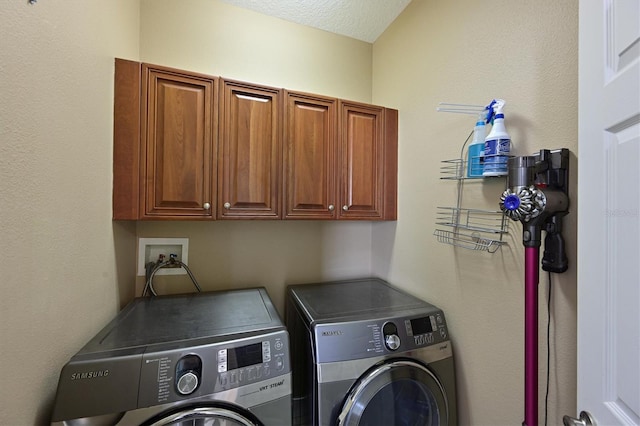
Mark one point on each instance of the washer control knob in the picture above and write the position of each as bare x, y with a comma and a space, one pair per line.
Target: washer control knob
187, 383
187, 374
392, 342
279, 363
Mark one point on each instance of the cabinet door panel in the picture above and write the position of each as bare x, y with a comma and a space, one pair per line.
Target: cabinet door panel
310, 157
250, 147
362, 159
179, 144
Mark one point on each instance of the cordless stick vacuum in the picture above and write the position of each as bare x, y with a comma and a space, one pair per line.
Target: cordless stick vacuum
537, 196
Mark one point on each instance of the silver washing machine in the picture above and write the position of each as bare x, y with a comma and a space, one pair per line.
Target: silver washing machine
366, 353
214, 358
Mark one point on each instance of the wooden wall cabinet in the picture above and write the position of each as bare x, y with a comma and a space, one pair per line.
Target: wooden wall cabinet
180, 133
173, 155
368, 158
250, 149
192, 146
310, 154
340, 159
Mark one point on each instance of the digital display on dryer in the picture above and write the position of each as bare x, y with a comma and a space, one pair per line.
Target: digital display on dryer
244, 356
421, 326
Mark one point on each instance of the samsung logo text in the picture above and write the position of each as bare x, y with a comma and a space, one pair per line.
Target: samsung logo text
89, 375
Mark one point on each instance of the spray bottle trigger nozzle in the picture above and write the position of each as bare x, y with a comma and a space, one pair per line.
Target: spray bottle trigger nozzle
495, 108
491, 111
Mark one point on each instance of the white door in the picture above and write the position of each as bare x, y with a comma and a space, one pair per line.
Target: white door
609, 212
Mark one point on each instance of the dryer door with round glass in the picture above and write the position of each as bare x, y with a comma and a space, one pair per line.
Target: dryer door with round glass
395, 392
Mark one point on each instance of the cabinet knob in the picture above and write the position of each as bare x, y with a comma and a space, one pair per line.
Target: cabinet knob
206, 206
227, 206
331, 207
345, 208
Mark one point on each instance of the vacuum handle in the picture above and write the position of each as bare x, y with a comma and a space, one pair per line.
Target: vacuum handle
554, 258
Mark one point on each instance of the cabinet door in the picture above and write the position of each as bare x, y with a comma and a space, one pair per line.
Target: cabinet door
249, 174
310, 157
368, 162
179, 142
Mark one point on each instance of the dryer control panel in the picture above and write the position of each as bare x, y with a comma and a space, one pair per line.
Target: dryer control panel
427, 330
341, 341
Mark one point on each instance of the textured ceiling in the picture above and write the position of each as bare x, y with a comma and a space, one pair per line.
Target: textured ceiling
360, 19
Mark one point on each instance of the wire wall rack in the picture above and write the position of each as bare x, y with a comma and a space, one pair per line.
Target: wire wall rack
472, 229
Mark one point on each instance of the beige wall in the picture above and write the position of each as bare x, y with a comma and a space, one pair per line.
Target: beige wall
224, 40
471, 52
62, 268
70, 267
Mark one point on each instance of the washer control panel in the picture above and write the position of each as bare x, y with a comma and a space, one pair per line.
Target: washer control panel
249, 363
180, 372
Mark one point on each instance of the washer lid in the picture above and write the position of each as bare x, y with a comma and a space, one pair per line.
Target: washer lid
152, 320
354, 298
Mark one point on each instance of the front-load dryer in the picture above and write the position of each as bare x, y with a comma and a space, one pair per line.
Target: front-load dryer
213, 358
366, 353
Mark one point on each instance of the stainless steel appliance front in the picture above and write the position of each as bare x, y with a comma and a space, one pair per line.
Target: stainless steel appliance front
217, 355
367, 353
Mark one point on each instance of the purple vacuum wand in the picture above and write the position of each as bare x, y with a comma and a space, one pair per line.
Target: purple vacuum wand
537, 196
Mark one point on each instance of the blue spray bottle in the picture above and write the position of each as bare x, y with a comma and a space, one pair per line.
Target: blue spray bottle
475, 155
497, 145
